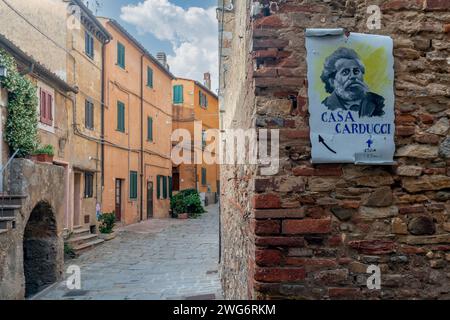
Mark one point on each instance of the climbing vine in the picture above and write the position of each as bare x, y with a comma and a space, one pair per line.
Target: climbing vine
22, 122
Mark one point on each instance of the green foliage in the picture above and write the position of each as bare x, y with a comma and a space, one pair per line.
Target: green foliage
68, 251
22, 120
108, 221
187, 201
47, 149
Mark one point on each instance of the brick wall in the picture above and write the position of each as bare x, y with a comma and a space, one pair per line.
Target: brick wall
318, 227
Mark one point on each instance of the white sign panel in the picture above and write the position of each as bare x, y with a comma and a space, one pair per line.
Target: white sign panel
351, 97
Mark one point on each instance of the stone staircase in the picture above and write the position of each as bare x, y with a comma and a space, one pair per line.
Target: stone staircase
82, 239
9, 208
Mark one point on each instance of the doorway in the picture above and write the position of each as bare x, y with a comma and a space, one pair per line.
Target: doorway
76, 198
40, 249
118, 200
149, 200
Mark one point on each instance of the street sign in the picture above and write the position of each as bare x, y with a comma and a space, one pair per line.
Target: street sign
351, 97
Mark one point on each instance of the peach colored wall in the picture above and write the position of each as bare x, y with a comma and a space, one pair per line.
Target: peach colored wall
190, 108
122, 153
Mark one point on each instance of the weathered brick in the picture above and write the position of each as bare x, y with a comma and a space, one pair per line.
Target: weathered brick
405, 131
307, 226
272, 21
437, 5
311, 264
267, 227
324, 170
269, 43
276, 82
279, 274
265, 72
280, 241
286, 135
373, 247
279, 213
266, 201
268, 53
411, 209
349, 293
268, 257
261, 185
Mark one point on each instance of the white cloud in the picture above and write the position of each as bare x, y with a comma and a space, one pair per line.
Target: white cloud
193, 33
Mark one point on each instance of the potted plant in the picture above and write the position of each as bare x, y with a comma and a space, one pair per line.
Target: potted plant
186, 204
107, 223
44, 154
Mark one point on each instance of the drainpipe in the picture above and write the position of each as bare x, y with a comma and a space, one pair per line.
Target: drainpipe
142, 139
102, 135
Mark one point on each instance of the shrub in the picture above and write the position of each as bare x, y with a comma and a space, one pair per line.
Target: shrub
21, 129
187, 201
47, 149
69, 253
108, 221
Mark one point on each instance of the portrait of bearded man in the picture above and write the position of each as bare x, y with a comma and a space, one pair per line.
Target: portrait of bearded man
343, 76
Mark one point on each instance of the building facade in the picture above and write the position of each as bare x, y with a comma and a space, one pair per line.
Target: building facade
195, 109
138, 126
312, 231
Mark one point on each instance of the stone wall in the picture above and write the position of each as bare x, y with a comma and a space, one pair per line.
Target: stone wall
318, 227
43, 184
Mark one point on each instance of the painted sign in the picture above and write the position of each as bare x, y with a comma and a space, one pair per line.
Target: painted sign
351, 97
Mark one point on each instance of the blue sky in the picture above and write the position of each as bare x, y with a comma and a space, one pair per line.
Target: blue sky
175, 27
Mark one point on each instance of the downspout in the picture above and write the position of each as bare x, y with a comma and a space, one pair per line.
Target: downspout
142, 140
102, 134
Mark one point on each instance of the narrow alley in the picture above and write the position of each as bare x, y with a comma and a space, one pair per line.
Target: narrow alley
156, 259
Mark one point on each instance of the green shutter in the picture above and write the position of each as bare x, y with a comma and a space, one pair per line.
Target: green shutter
133, 185
178, 94
120, 116
170, 186
121, 55
158, 187
149, 77
204, 176
150, 129
164, 187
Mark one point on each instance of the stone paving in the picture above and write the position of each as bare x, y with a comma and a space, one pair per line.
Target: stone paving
153, 260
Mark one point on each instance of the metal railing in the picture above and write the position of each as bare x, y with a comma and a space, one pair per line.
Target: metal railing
3, 168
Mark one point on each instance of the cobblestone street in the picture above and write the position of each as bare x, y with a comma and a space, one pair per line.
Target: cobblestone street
156, 259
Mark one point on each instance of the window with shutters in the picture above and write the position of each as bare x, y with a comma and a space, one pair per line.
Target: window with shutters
178, 94
88, 184
164, 185
89, 45
46, 107
150, 129
89, 115
120, 116
158, 187
170, 186
203, 176
133, 185
149, 77
203, 100
120, 55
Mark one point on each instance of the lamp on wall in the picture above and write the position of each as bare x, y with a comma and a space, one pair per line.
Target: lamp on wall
3, 72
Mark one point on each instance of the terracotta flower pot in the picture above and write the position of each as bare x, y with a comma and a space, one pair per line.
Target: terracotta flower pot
183, 216
42, 158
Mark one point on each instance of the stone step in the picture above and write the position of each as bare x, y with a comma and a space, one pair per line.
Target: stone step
7, 223
2, 231
76, 241
81, 232
9, 210
86, 246
77, 227
7, 199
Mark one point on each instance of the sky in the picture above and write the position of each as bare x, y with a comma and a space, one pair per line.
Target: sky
187, 30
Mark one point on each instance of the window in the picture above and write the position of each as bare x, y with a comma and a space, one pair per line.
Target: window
46, 107
133, 185
178, 94
158, 187
150, 129
203, 139
164, 179
149, 77
89, 115
203, 176
120, 116
89, 44
88, 184
120, 55
203, 100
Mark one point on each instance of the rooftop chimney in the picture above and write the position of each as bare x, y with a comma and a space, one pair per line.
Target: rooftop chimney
207, 80
162, 58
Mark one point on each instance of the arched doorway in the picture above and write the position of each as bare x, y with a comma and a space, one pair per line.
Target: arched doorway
40, 248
